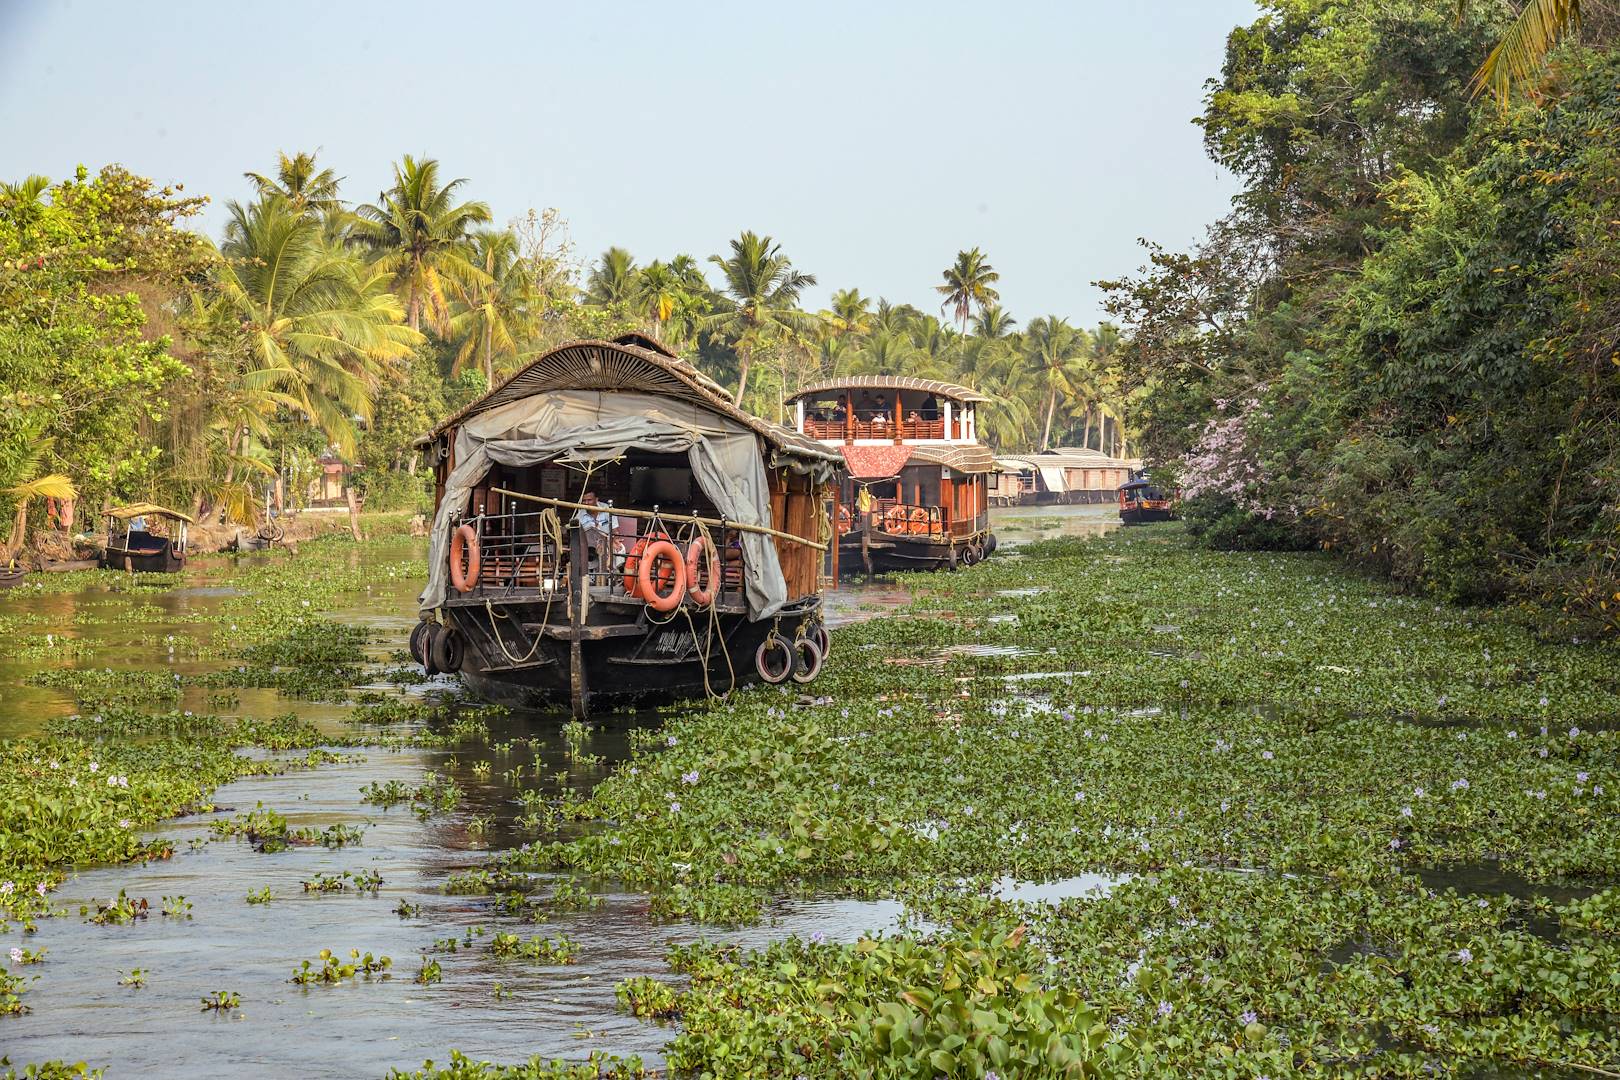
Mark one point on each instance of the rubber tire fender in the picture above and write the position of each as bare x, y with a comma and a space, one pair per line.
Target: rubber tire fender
419, 638
990, 543
808, 659
446, 650
824, 639
775, 642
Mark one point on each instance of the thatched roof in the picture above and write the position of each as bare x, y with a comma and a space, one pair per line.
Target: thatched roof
633, 363
903, 383
134, 510
963, 457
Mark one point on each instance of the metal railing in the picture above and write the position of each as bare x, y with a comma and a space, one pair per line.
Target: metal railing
519, 554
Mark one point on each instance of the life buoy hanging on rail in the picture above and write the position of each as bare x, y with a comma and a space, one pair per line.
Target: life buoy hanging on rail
464, 558
919, 521
894, 520
654, 566
703, 573
845, 522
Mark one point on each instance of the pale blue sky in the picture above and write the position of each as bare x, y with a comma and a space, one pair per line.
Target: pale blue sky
873, 140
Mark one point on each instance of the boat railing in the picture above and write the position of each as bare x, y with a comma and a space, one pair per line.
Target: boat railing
914, 427
906, 519
526, 553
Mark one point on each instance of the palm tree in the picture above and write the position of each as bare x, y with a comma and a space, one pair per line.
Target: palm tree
317, 328
1518, 57
1055, 352
52, 486
993, 322
22, 202
493, 311
613, 279
851, 313
418, 234
968, 285
298, 182
760, 299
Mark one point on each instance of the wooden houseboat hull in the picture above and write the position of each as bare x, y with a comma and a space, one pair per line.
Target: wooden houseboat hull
526, 657
882, 553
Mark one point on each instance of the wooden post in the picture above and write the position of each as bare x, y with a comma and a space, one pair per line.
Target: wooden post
354, 513
580, 590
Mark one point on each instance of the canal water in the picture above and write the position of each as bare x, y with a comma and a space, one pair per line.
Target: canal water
500, 1009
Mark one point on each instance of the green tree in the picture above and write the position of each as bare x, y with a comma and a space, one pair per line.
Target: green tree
614, 279
318, 327
301, 183
418, 235
493, 311
969, 284
758, 307
1055, 352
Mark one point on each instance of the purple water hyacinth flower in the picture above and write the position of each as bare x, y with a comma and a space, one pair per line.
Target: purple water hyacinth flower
1459, 784
1248, 1018
40, 888
1266, 755
689, 777
1580, 777
6, 888
1574, 732
818, 938
674, 807
1464, 956
1165, 1008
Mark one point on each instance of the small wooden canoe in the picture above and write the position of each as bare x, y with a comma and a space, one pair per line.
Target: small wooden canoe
10, 578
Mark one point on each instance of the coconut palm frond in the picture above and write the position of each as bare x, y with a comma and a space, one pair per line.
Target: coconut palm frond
52, 486
1519, 57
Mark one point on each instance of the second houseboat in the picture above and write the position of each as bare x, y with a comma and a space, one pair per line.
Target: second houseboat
915, 493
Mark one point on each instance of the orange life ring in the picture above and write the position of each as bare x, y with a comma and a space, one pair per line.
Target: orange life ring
650, 581
845, 522
632, 563
919, 520
894, 520
701, 560
464, 548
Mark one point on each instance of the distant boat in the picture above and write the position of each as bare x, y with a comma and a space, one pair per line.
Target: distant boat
132, 545
1141, 501
911, 447
696, 568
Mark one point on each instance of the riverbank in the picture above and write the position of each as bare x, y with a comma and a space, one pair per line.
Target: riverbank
1126, 802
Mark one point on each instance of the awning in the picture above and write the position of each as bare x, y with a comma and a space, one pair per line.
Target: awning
875, 462
1053, 478
134, 510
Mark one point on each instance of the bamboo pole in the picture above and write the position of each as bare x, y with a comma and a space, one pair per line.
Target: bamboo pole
648, 515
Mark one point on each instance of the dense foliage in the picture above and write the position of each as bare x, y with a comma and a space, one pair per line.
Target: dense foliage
1402, 343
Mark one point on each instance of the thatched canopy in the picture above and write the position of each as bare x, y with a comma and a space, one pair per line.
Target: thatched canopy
904, 383
135, 510
637, 364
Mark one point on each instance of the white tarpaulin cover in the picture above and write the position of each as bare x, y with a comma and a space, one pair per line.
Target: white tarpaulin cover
1053, 478
592, 425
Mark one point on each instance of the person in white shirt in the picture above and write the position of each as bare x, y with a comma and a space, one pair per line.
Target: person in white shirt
598, 526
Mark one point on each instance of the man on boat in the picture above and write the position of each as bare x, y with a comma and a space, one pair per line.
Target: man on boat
598, 526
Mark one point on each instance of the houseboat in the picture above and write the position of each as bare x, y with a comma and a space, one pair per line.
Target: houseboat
915, 491
609, 526
145, 538
1060, 477
1142, 501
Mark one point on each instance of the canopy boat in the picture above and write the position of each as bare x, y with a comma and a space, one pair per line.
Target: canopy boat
1140, 502
608, 525
916, 493
134, 545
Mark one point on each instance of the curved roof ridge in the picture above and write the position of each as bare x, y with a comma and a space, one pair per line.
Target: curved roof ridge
892, 382
631, 362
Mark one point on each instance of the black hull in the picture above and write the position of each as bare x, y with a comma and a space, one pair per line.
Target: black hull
900, 553
1144, 517
11, 578
526, 655
151, 562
